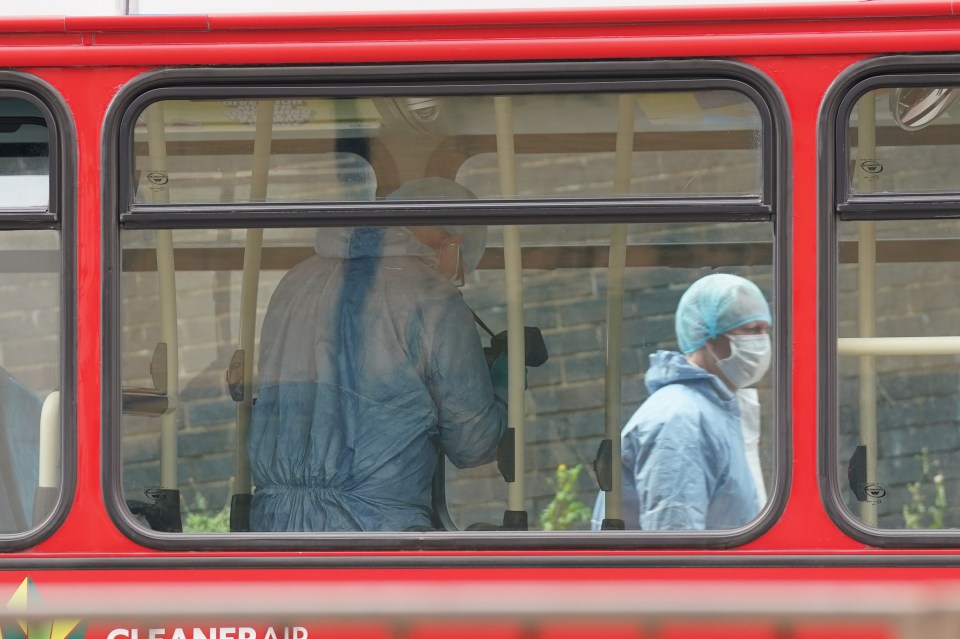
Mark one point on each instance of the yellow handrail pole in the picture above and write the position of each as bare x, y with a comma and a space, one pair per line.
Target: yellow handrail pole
932, 345
866, 286
263, 136
159, 194
513, 271
616, 269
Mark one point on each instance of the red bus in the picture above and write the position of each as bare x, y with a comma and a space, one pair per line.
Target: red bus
169, 180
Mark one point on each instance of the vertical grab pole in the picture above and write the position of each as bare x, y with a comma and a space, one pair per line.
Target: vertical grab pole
243, 492
169, 494
515, 518
616, 267
866, 285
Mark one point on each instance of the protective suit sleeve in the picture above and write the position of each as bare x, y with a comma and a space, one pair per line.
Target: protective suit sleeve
471, 417
20, 440
672, 483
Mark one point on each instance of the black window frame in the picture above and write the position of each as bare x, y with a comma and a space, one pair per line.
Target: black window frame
838, 204
58, 215
121, 212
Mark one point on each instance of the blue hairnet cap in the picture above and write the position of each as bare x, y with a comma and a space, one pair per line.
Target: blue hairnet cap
716, 304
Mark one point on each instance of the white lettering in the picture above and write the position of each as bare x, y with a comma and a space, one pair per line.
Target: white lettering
246, 633
178, 633
157, 633
270, 634
227, 633
122, 633
199, 634
299, 632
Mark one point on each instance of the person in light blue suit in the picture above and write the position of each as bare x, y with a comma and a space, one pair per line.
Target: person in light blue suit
683, 465
370, 366
19, 453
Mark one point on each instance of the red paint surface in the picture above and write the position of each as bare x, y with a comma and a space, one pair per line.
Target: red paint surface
88, 60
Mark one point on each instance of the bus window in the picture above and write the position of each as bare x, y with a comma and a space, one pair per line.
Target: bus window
29, 373
26, 155
897, 268
30, 321
910, 122
680, 138
282, 361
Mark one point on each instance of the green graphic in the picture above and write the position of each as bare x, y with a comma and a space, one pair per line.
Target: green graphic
27, 600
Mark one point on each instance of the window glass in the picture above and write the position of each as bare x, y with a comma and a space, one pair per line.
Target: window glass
332, 373
315, 332
684, 143
901, 140
30, 316
29, 377
24, 155
565, 413
897, 315
899, 377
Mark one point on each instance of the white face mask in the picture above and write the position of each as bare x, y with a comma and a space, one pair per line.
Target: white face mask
749, 359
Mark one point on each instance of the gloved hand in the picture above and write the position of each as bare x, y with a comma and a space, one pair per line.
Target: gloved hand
499, 372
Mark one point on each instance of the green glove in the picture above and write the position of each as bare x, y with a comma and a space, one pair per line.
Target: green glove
499, 374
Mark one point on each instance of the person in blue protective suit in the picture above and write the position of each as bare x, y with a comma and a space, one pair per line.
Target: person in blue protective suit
19, 453
683, 465
370, 366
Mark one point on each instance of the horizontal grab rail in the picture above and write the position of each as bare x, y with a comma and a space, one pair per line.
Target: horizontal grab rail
942, 345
